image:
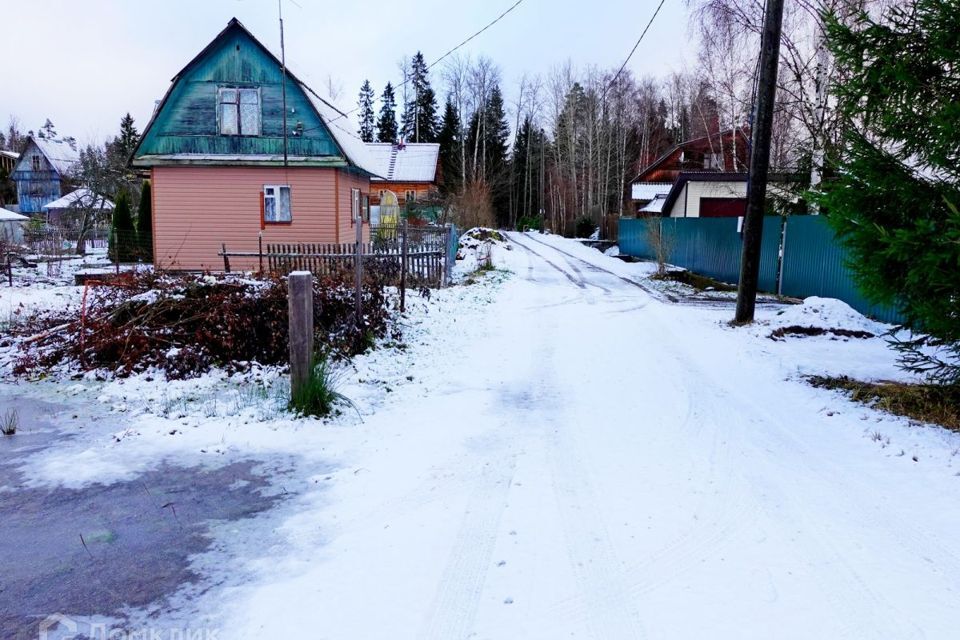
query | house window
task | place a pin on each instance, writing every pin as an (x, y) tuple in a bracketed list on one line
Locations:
[(355, 205), (276, 203), (36, 163), (238, 111), (411, 196), (713, 161)]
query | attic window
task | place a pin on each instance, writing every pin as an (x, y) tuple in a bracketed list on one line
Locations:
[(36, 163), (238, 111)]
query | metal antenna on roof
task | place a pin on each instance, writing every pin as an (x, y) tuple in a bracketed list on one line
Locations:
[(283, 86)]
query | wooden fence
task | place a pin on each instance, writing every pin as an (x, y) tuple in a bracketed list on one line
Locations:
[(418, 255)]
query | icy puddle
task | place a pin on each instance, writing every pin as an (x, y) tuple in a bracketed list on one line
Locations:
[(98, 550)]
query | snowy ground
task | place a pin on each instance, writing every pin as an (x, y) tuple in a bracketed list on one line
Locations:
[(556, 452)]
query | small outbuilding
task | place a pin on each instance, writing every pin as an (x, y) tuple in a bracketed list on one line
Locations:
[(78, 200), (12, 227)]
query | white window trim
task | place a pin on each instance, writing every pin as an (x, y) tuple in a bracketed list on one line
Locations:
[(355, 206), (275, 196)]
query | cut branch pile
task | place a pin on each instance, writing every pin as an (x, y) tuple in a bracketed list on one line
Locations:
[(187, 324)]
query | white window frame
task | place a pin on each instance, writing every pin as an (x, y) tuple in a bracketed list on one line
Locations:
[(411, 196), (273, 200), (355, 208), (238, 111)]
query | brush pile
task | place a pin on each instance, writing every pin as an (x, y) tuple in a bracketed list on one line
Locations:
[(187, 324)]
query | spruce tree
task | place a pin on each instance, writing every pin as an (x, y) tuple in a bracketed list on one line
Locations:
[(496, 131), (387, 122), (419, 121), (450, 142), (123, 237), (366, 112), (145, 224), (129, 137), (896, 199)]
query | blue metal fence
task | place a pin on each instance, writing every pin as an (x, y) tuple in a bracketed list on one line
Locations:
[(709, 246), (814, 261)]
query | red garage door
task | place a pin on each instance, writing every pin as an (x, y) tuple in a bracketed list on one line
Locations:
[(722, 207)]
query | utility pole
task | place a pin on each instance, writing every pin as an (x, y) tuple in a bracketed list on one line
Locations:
[(759, 162), (283, 79)]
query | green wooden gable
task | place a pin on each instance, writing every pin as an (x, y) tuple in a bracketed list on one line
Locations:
[(186, 122)]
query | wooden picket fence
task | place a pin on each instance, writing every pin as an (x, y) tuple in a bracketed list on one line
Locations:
[(426, 253)]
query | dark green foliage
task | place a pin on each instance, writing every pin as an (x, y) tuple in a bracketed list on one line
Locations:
[(8, 188), (529, 148), (387, 122), (584, 227), (145, 224), (419, 121), (123, 237), (365, 103), (450, 147), (319, 396), (895, 200), (492, 162)]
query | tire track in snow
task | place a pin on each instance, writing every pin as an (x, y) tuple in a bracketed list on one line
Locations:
[(454, 609)]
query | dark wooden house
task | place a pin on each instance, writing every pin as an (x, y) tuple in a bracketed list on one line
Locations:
[(721, 152)]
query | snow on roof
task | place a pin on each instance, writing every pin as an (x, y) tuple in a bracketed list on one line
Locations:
[(9, 154), (82, 197), (61, 155), (410, 162), (649, 190), (338, 123), (11, 216), (655, 205)]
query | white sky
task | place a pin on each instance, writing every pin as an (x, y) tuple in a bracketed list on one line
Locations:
[(85, 63)]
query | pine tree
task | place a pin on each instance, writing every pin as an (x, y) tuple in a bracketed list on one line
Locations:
[(366, 112), (419, 121), (387, 122), (48, 131), (449, 139), (123, 237), (896, 199), (145, 224)]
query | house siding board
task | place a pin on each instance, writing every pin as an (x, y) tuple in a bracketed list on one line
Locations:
[(187, 122), (197, 209), (350, 180)]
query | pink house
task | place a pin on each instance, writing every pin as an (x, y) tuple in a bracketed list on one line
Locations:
[(228, 164)]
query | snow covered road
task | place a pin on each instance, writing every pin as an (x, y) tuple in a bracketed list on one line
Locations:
[(587, 461)]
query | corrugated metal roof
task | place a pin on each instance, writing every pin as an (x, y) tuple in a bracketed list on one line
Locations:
[(410, 162), (649, 190), (61, 155), (81, 197)]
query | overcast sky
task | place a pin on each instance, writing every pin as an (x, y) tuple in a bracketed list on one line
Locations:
[(84, 63)]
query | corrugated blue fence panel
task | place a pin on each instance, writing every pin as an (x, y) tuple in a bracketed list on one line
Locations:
[(815, 264), (632, 238), (709, 246)]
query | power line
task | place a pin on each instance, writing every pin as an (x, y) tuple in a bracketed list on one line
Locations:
[(632, 51), (344, 114)]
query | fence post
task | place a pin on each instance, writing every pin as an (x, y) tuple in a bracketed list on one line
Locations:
[(403, 267), (300, 310), (260, 250), (226, 259), (358, 270)]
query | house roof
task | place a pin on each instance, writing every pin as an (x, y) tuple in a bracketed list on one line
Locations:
[(81, 197), (649, 190), (686, 143), (655, 205), (410, 162), (336, 121), (9, 154), (61, 155), (11, 216)]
